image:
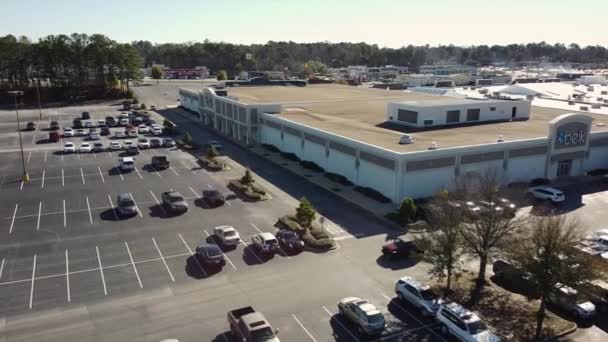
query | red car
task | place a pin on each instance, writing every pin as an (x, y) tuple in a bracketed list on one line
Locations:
[(400, 248)]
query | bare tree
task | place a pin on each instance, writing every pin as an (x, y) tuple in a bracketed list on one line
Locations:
[(443, 245), (548, 254), (491, 227)]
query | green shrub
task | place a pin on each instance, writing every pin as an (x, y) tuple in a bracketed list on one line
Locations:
[(290, 223), (135, 101), (407, 210), (305, 212), (323, 244)]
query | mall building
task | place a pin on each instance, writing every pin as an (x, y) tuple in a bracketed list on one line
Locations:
[(356, 132)]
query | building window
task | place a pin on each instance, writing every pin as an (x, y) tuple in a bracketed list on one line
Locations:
[(452, 116), (428, 122), (492, 109), (473, 114), (407, 116)]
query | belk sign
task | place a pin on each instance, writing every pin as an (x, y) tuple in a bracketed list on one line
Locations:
[(571, 134)]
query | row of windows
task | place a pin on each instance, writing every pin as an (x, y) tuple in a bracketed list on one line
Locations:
[(453, 116)]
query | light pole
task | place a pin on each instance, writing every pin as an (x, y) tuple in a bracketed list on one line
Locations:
[(15, 93)]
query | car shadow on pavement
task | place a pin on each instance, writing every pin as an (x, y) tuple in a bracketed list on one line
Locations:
[(395, 262), (59, 153), (223, 337), (109, 215), (339, 330), (193, 268), (157, 210), (223, 248), (114, 171), (253, 257)]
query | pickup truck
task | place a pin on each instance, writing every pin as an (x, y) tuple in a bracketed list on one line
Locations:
[(160, 162), (248, 325)]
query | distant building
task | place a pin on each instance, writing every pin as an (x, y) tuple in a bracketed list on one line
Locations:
[(198, 72), (420, 80), (446, 69)]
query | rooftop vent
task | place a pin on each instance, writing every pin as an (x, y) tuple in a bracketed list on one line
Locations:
[(406, 139), (600, 124), (433, 146), (501, 138)]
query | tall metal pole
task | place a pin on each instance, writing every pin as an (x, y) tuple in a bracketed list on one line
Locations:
[(26, 177)]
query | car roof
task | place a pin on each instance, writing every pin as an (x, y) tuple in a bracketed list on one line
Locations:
[(368, 308), (210, 246), (225, 228), (415, 283), (123, 196), (173, 194), (548, 188), (267, 236), (127, 159), (69, 143), (460, 311)]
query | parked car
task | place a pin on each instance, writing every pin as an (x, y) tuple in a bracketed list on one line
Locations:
[(115, 146), (132, 133), (157, 131), (94, 136), (98, 147), (85, 147), (69, 147), (213, 197), (142, 129), (111, 121), (127, 143), (400, 247), (54, 136), (132, 150), (86, 116), (174, 202), (77, 123), (463, 324), (81, 132), (265, 242), (126, 164), (68, 132), (54, 126), (30, 126), (125, 206), (160, 162), (211, 255), (124, 122), (226, 235), (368, 319), (419, 295), (248, 325), (101, 123), (120, 135), (155, 143), (290, 240), (143, 143), (169, 142), (570, 301), (509, 275), (547, 193), (105, 131)]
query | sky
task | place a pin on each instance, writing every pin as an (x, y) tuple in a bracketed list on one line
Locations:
[(390, 23)]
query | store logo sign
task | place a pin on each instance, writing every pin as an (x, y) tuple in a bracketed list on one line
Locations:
[(572, 135), (575, 138)]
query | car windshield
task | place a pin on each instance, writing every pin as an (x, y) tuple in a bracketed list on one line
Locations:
[(271, 242), (476, 327), (428, 294), (290, 235), (261, 335), (176, 198), (376, 318), (229, 233), (127, 202), (213, 251)]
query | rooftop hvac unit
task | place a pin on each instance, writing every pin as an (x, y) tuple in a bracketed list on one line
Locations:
[(600, 124), (433, 146), (406, 139), (501, 138)]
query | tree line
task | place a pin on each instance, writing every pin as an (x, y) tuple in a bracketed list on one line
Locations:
[(65, 67), (293, 56)]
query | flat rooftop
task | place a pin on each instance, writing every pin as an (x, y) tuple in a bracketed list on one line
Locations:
[(359, 113)]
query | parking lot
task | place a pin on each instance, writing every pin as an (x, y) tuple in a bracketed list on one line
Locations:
[(71, 269)]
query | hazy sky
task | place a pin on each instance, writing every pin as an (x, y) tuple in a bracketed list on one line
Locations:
[(390, 23)]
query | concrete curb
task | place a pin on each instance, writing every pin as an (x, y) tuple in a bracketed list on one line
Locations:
[(563, 333)]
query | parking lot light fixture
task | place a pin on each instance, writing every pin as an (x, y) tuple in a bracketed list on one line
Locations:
[(16, 93)]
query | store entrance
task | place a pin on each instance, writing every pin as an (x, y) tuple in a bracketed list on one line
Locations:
[(563, 168)]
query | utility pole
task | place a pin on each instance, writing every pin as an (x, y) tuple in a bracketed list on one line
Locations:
[(15, 93)]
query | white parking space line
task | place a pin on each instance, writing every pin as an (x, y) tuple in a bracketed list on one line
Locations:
[(34, 138), (33, 278), (161, 258), (94, 155), (21, 187), (225, 256), (172, 169), (192, 254), (82, 174), (157, 202), (414, 317), (141, 286), (194, 192), (312, 338), (43, 174), (103, 279), (210, 187), (62, 176), (64, 216), (39, 212), (139, 174), (113, 207), (340, 324), (67, 275), (256, 227), (136, 206), (45, 156), (252, 252), (1, 268), (28, 157), (101, 175), (155, 171), (89, 207), (120, 174), (13, 221)]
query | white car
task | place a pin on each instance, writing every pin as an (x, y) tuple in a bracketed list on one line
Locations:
[(463, 324), (69, 147), (142, 129), (227, 235), (81, 132), (120, 134), (419, 295), (94, 136), (157, 131), (265, 242), (68, 132), (126, 144), (569, 300), (547, 193), (85, 147), (127, 164), (143, 143), (368, 319), (115, 146)]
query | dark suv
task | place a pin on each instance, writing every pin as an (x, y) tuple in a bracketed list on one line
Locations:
[(213, 197)]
